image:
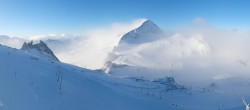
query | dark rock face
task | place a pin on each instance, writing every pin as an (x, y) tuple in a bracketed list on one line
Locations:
[(40, 47)]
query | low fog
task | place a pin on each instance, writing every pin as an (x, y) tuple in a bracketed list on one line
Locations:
[(199, 51)]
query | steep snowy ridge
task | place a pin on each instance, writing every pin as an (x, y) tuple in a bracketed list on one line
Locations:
[(40, 49)]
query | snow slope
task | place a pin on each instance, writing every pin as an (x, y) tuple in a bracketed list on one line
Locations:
[(28, 83), (31, 82), (34, 84)]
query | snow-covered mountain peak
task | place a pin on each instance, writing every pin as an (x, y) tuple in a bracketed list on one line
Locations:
[(147, 32), (39, 49), (149, 26)]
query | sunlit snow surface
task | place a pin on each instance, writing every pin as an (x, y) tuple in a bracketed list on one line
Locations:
[(28, 83)]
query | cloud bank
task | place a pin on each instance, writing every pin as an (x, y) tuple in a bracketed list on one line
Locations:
[(89, 50), (199, 52), (199, 48)]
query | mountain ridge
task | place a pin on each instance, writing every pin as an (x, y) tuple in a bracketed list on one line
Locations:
[(40, 49)]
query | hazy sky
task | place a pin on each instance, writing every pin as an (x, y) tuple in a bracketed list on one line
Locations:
[(38, 17)]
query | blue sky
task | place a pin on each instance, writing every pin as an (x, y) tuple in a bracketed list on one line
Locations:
[(36, 17)]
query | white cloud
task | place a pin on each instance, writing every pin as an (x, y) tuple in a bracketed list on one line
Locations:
[(223, 48), (198, 52), (91, 50), (46, 37), (198, 49), (14, 42)]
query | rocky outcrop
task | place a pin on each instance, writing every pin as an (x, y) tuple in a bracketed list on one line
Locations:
[(40, 49)]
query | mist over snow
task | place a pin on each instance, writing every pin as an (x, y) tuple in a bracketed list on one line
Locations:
[(89, 50), (200, 51), (14, 42), (196, 53)]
